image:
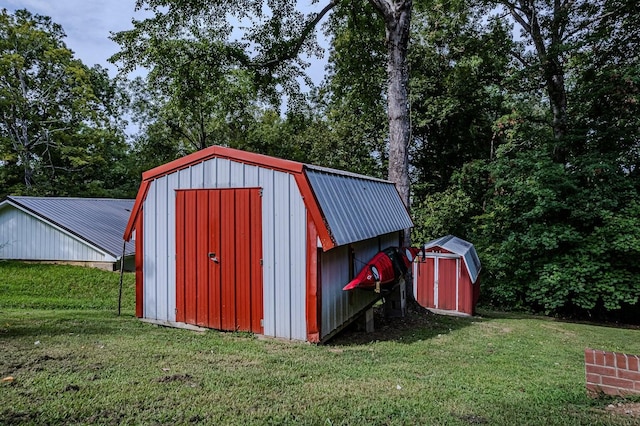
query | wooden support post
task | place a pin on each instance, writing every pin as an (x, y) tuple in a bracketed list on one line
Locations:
[(395, 303), (365, 321), (368, 320)]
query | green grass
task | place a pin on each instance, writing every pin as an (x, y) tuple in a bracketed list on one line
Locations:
[(74, 361), (36, 286)]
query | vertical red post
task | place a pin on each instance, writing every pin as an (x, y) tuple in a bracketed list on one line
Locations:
[(202, 259), (226, 256), (139, 265), (426, 283), (312, 308), (190, 253), (180, 231), (215, 304), (256, 287), (242, 260)]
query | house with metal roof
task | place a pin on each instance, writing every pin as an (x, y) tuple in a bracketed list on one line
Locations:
[(233, 240), (83, 231)]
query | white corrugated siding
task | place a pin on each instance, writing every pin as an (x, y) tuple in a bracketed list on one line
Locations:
[(340, 306), (283, 241), (26, 237)]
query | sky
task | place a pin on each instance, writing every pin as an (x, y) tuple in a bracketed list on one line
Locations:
[(88, 24)]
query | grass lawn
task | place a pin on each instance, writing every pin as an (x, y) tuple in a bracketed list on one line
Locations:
[(74, 361)]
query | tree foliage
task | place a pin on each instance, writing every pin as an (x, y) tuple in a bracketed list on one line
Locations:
[(526, 145), (458, 68), (59, 125), (553, 212), (262, 44)]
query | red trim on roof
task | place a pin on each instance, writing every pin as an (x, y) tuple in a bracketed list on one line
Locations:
[(314, 210), (223, 152), (139, 264), (137, 209), (313, 307), (251, 158)]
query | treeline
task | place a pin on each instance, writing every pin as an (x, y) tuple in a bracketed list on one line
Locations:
[(525, 124)]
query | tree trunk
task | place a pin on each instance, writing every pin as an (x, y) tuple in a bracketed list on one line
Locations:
[(397, 17), (26, 158), (550, 63), (553, 72), (554, 75)]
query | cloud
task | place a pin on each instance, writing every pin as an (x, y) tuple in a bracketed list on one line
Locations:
[(87, 24)]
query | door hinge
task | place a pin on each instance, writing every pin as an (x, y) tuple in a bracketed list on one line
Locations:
[(261, 322), (261, 262), (260, 192)]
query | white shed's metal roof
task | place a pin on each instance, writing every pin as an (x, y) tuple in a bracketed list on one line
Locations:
[(357, 207), (461, 248), (98, 221)]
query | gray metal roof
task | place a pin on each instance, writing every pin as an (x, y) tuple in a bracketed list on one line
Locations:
[(357, 207), (99, 221), (461, 248)]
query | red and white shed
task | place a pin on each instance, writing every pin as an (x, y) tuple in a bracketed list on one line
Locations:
[(445, 276), (234, 240)]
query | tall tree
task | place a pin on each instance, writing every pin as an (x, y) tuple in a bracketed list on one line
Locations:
[(270, 50), (560, 211), (458, 63), (49, 111), (351, 98), (397, 20), (554, 29)]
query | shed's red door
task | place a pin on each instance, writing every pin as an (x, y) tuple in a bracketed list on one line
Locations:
[(218, 258), (447, 283), (425, 290), (437, 281)]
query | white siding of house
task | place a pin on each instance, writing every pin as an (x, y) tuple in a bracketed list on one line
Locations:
[(24, 236), (150, 244), (283, 241), (340, 306)]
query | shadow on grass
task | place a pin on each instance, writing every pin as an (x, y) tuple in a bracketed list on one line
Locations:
[(418, 324), (24, 323)]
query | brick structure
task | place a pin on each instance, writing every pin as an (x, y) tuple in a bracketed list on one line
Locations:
[(611, 373)]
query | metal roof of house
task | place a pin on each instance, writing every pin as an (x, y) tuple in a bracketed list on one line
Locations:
[(357, 207), (98, 221), (461, 248)]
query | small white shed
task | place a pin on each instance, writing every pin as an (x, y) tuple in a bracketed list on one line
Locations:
[(233, 240), (82, 231)]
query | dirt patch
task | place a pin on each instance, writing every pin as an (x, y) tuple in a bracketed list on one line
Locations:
[(174, 378), (472, 419), (494, 328), (16, 418), (629, 409), (234, 362), (386, 328), (71, 388), (187, 379), (107, 417), (560, 330)]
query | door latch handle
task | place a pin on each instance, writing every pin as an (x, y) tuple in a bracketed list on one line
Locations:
[(213, 257)]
